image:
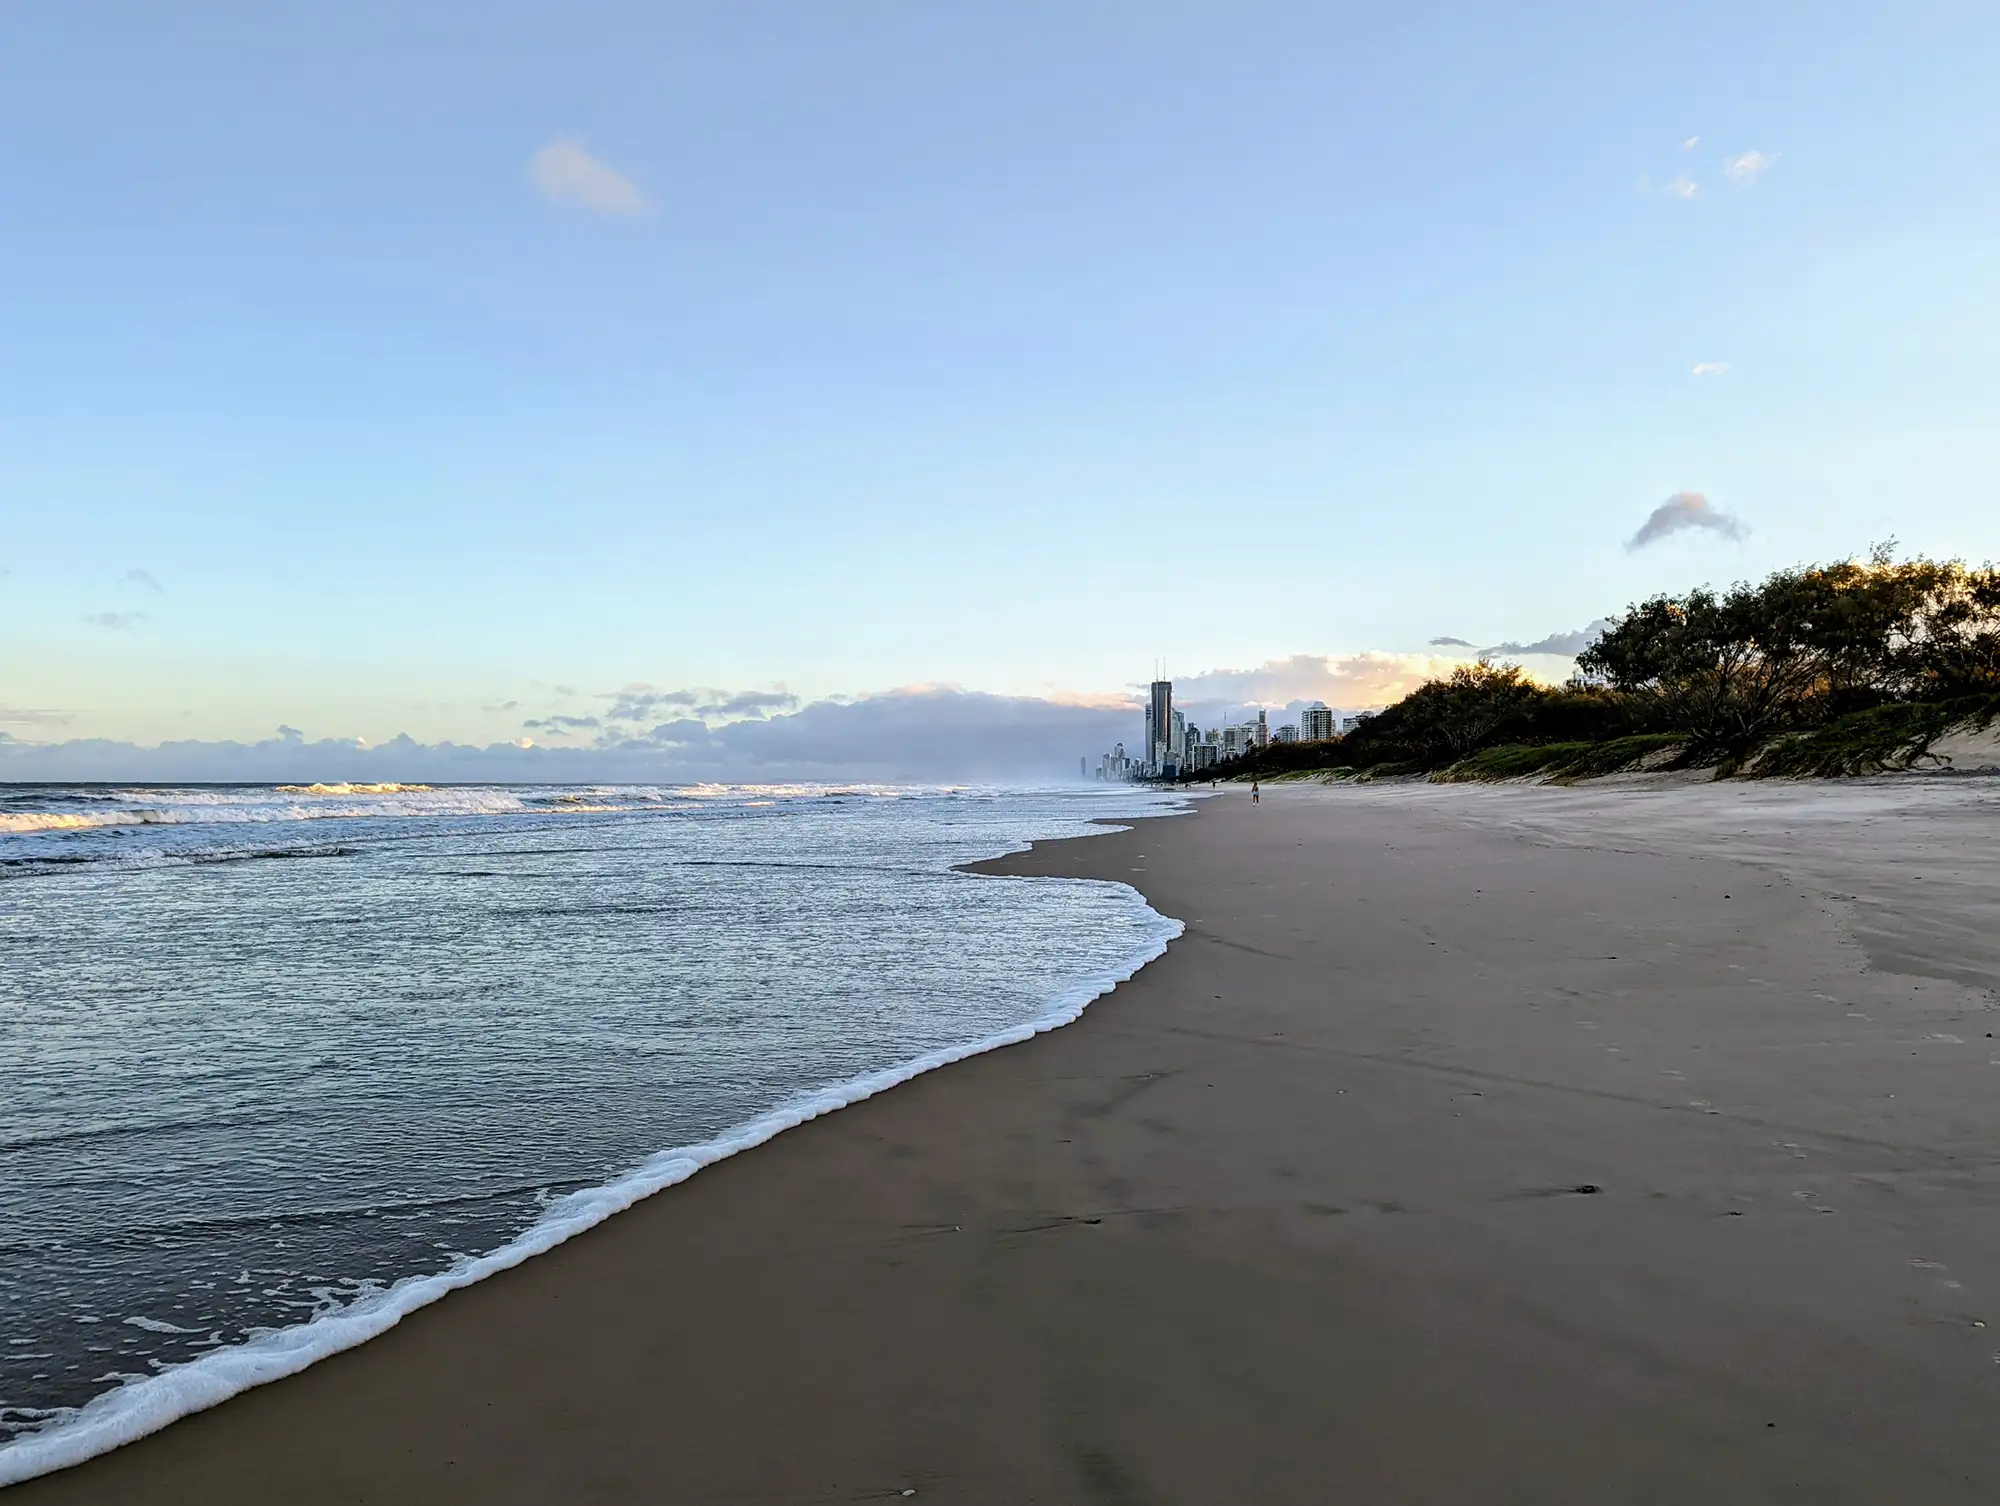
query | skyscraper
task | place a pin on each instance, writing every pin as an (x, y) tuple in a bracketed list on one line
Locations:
[(1160, 725)]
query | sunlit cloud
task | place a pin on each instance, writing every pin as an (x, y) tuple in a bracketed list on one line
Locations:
[(1347, 681), (1681, 186), (1680, 513), (1711, 368), (567, 174), (1691, 143), (1749, 167)]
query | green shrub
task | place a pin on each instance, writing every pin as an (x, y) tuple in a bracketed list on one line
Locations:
[(1871, 741), (1562, 761)]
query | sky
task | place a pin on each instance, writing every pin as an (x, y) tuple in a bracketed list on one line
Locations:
[(468, 374)]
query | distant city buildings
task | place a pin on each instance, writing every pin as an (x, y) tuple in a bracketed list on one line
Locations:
[(1173, 745), (1115, 765)]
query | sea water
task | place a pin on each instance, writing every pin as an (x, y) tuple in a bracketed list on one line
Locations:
[(279, 1064)]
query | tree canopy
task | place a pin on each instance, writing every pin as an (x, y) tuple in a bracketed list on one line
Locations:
[(1725, 671)]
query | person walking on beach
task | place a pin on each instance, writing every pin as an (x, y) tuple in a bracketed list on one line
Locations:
[(1253, 792)]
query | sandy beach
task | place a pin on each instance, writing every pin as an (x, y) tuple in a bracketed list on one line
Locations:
[(1471, 1146)]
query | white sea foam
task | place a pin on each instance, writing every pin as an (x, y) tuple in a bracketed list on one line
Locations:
[(158, 1325), (24, 822), (149, 1403), (286, 803), (345, 801)]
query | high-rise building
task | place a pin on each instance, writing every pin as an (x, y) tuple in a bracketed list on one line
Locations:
[(1349, 723), (1263, 731), (1316, 723), (1160, 725), (1285, 734)]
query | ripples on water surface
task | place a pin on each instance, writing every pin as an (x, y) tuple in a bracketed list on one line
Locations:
[(264, 1050)]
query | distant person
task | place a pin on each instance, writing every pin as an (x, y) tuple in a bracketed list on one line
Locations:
[(1253, 792)]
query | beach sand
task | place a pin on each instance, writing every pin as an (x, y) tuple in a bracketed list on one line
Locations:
[(1459, 1152)]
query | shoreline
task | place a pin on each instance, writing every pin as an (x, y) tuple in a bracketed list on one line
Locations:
[(1433, 1163), (142, 1407)]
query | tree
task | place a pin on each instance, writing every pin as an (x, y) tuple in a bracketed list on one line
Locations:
[(1804, 646)]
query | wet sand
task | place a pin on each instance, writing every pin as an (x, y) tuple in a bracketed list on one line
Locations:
[(1442, 1160)]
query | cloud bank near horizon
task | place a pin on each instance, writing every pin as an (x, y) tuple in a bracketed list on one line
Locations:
[(919, 734)]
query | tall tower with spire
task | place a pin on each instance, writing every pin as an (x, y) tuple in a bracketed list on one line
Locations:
[(1160, 727)]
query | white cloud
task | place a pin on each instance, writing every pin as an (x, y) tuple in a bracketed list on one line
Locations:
[(1691, 143), (1711, 368), (1681, 187), (1679, 513), (1347, 682), (567, 174), (1748, 168)]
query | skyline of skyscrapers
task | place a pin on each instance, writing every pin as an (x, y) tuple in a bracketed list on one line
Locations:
[(1172, 745)]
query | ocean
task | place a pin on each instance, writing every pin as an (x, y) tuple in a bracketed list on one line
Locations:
[(279, 1064)]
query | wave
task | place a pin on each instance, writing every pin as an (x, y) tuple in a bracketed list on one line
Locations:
[(261, 804), (351, 789), (148, 1403), (280, 804), (149, 858), (25, 822)]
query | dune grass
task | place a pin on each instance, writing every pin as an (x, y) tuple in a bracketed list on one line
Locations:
[(1563, 761), (1870, 742)]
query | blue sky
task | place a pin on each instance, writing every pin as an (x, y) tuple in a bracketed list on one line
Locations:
[(444, 368)]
